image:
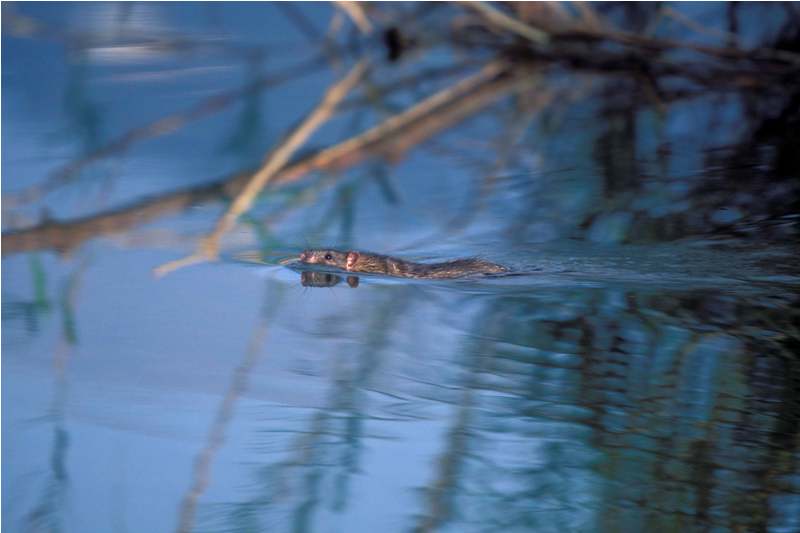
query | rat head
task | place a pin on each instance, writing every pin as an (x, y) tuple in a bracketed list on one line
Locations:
[(334, 258)]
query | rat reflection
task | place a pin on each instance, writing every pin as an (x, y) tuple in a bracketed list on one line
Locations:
[(325, 279)]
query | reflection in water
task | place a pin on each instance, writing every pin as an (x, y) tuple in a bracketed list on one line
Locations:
[(324, 279), (641, 372), (47, 513), (646, 397), (565, 409), (320, 459), (201, 474)]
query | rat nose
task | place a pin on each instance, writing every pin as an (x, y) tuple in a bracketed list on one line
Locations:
[(303, 256)]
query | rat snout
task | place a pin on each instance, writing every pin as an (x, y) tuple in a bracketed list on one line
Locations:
[(303, 256)]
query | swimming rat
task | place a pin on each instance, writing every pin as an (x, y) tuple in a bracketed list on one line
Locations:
[(366, 262)]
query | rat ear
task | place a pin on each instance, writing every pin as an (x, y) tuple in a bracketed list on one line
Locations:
[(352, 257)]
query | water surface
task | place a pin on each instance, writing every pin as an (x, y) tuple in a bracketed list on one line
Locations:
[(640, 371)]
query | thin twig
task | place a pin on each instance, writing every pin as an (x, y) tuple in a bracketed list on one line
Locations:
[(355, 147), (503, 21), (541, 35), (660, 44), (357, 14), (277, 159), (413, 126), (209, 247)]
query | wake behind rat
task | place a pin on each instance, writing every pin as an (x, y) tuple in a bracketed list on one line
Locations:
[(370, 263)]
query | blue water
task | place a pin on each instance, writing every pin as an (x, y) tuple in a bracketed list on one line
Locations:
[(639, 372)]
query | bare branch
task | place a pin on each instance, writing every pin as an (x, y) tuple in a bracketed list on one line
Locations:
[(501, 20), (277, 159), (394, 135), (357, 14)]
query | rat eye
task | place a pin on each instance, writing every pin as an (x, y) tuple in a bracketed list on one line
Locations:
[(328, 257)]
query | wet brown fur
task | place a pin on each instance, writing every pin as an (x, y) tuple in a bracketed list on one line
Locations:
[(353, 261)]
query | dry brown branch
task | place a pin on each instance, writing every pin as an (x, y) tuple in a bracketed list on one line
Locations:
[(422, 121), (649, 44), (502, 21), (394, 135), (645, 45), (377, 94), (732, 69), (357, 14), (66, 236), (157, 128), (277, 159), (552, 16)]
